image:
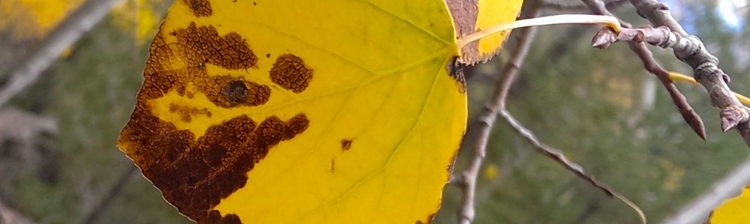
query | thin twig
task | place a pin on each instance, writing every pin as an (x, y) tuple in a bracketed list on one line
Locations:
[(80, 21), (690, 50), (562, 6), (486, 120), (649, 63), (510, 72), (102, 206), (658, 14), (558, 156)]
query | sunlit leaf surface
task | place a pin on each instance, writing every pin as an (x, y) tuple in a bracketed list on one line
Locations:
[(284, 111), (735, 210)]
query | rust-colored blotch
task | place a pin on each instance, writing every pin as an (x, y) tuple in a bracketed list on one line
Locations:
[(291, 73), (186, 113), (346, 144), (230, 52), (428, 220), (195, 173), (200, 8)]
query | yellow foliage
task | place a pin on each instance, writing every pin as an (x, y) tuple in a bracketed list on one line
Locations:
[(288, 111), (733, 211), (494, 12)]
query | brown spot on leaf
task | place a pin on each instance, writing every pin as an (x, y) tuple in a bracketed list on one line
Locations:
[(195, 174), (203, 44), (215, 217), (428, 220), (456, 71), (465, 13), (200, 8), (333, 163), (235, 92), (240, 92), (199, 46), (202, 65), (186, 113), (346, 144), (229, 92), (290, 72)]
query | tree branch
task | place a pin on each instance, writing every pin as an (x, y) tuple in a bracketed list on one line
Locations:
[(498, 106), (26, 71), (559, 157), (560, 6), (650, 64), (690, 50), (658, 14), (486, 121)]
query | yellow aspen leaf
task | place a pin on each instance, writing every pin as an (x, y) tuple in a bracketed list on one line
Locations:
[(735, 210), (292, 111)]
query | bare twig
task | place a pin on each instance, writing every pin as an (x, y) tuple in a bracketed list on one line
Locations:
[(658, 14), (650, 64), (26, 71), (498, 106), (558, 156), (556, 5), (486, 120), (690, 50), (102, 206)]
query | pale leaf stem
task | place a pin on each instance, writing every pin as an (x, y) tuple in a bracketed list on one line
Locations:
[(540, 21)]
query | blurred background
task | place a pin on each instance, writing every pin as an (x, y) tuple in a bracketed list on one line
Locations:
[(58, 125)]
